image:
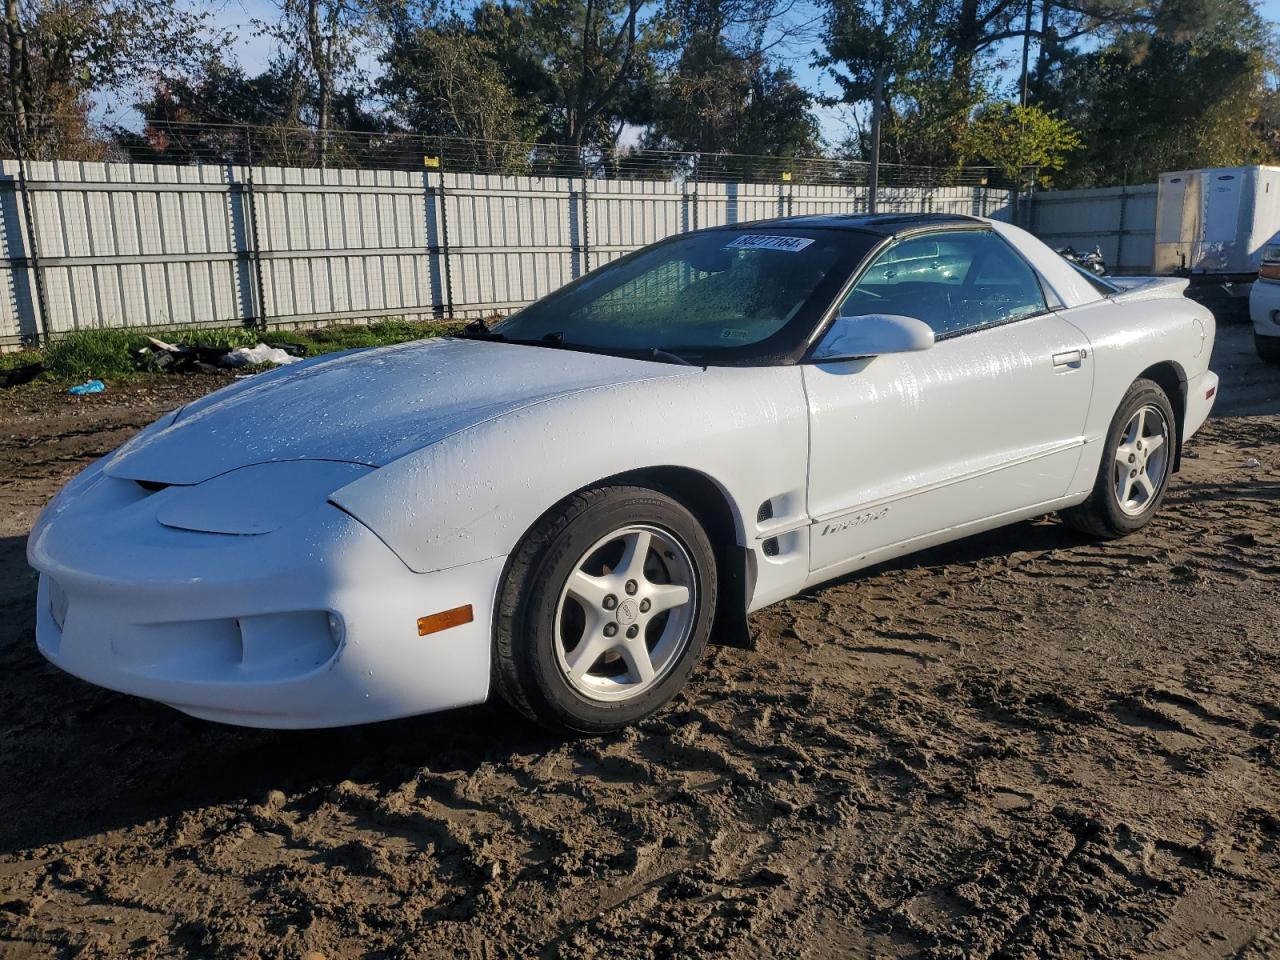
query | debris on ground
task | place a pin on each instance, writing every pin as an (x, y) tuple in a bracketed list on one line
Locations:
[(19, 375), (89, 386), (159, 356), (256, 356)]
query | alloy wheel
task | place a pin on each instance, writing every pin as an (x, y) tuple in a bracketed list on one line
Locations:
[(1141, 460), (626, 613)]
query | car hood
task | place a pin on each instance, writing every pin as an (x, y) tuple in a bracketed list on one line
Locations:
[(366, 406)]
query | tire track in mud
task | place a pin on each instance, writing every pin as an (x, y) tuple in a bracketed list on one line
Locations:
[(1020, 745)]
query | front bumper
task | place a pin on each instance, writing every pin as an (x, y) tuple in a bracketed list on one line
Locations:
[(312, 625), (1264, 305)]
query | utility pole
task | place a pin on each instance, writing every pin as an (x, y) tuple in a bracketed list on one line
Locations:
[(877, 116), (1042, 48), (1026, 49)]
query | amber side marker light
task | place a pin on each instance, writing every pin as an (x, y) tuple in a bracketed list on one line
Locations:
[(444, 620)]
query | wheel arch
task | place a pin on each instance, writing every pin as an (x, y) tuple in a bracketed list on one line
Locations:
[(715, 509), (1172, 379), (725, 524)]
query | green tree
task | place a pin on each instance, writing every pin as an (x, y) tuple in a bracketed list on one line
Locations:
[(723, 91), (58, 53), (219, 114), (1017, 139), (720, 101), (318, 44), (568, 70), (937, 60), (1186, 90), (446, 80)]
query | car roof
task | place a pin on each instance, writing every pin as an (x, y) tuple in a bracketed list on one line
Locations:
[(881, 224)]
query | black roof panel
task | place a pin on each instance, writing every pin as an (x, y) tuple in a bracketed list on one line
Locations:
[(885, 224)]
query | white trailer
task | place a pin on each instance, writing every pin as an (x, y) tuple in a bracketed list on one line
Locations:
[(1211, 224)]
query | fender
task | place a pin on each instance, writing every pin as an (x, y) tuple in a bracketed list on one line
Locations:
[(474, 494)]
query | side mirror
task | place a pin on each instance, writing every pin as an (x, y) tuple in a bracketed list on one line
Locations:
[(871, 335)]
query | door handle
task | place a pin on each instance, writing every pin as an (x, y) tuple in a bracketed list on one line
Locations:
[(1070, 358)]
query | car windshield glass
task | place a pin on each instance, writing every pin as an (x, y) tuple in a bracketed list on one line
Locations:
[(742, 292)]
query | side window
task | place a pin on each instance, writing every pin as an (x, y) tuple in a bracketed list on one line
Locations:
[(955, 281)]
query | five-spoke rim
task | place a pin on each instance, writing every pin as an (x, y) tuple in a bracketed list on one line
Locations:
[(1141, 460), (626, 613)]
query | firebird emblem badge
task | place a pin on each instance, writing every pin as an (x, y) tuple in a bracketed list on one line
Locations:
[(857, 520)]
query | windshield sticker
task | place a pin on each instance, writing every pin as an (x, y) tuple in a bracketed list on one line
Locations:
[(733, 333), (759, 241)]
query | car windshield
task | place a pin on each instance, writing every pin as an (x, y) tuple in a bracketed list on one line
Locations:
[(717, 295)]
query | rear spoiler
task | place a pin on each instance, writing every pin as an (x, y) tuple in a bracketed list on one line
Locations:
[(1148, 288)]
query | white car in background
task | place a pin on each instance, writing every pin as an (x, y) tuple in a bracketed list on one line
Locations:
[(1264, 303), (561, 508)]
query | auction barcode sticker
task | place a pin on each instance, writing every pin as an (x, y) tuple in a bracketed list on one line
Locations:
[(759, 241)]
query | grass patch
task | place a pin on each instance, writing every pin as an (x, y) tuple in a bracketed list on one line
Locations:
[(93, 353), (108, 354), (382, 333), (9, 361)]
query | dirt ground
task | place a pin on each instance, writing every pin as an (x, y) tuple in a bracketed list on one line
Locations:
[(1023, 745)]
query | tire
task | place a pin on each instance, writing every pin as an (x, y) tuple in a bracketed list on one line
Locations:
[(1268, 348), (1105, 514), (574, 581)]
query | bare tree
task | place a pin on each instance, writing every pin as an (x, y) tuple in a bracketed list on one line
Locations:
[(318, 42), (59, 52)]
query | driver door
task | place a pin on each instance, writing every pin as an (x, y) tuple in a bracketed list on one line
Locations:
[(987, 422)]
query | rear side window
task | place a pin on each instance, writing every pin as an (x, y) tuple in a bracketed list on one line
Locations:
[(955, 281), (1104, 287)]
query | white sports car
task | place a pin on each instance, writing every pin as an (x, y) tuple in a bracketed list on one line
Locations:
[(563, 507)]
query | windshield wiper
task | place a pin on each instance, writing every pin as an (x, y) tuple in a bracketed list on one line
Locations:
[(657, 353), (479, 330)]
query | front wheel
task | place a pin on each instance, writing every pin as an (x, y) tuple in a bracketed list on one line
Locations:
[(605, 608), (1137, 461)]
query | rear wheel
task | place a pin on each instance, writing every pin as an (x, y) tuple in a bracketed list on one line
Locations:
[(1137, 461), (605, 609)]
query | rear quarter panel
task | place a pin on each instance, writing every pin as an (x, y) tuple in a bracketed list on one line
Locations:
[(1128, 338)]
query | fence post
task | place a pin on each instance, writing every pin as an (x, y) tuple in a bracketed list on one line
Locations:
[(444, 239), (255, 247), (693, 197), (585, 217), (33, 246), (1124, 196)]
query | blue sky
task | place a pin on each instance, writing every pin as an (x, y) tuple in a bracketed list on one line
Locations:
[(253, 51)]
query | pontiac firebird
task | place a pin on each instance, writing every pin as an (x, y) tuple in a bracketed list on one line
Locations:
[(562, 508)]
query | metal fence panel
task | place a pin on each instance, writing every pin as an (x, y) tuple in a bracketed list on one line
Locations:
[(19, 315), (335, 243), (134, 244), (624, 215), (510, 239), (160, 246), (1119, 220)]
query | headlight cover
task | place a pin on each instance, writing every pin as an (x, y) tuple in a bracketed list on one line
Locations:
[(256, 499)]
